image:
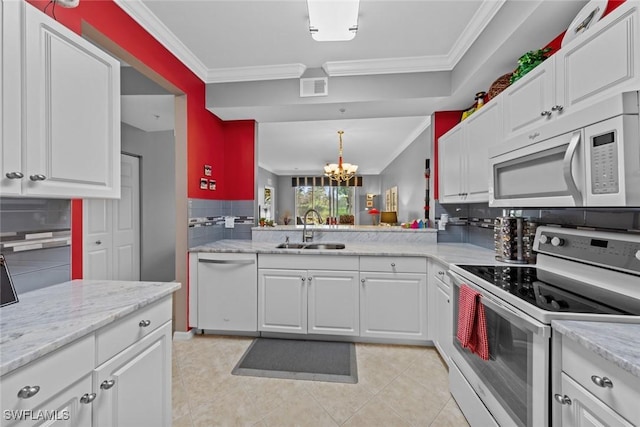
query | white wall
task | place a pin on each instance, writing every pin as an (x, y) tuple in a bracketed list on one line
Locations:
[(157, 204), (407, 173)]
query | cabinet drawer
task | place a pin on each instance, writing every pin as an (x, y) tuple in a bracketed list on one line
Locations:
[(581, 364), (52, 373), (388, 264), (439, 271), (120, 335), (308, 262)]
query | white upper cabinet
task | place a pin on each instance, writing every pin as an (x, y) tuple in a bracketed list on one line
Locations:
[(464, 156), (603, 61), (61, 110)]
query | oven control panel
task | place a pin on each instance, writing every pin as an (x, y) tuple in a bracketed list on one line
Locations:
[(619, 251)]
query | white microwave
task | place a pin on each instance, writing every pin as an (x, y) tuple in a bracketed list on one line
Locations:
[(589, 157)]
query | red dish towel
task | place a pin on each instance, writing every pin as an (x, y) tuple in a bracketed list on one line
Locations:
[(472, 323)]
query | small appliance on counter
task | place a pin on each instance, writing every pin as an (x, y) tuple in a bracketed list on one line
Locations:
[(7, 291), (513, 239)]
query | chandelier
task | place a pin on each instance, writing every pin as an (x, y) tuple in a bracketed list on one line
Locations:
[(341, 171)]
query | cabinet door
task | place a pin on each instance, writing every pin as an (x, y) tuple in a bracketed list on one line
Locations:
[(527, 104), (585, 409), (72, 121), (444, 322), (603, 61), (481, 131), (134, 387), (333, 302), (450, 165), (227, 292), (393, 306), (282, 301)]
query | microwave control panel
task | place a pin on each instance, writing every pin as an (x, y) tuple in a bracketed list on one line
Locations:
[(604, 163)]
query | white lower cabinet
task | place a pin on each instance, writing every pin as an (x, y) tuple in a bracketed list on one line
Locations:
[(72, 387), (223, 291), (440, 309), (591, 391), (134, 387), (320, 299), (308, 301)]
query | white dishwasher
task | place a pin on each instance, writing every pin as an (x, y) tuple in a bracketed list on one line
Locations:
[(223, 291)]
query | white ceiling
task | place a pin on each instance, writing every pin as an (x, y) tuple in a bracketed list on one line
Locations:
[(151, 113), (263, 40)]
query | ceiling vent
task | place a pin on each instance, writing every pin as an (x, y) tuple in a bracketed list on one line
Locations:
[(314, 86)]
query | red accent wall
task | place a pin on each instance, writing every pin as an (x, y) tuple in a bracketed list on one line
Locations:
[(206, 138), (442, 121)]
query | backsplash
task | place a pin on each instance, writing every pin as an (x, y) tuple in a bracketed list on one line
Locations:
[(612, 219), (35, 238), (206, 220)]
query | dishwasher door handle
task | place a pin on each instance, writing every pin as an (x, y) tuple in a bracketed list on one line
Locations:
[(228, 261)]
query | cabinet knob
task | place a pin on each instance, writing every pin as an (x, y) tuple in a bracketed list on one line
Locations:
[(393, 265), (557, 108), (37, 177), (98, 242), (603, 382), (28, 391), (303, 279), (441, 273), (310, 278), (88, 398), (563, 400), (534, 135), (14, 175), (107, 384), (545, 113), (362, 281), (144, 323)]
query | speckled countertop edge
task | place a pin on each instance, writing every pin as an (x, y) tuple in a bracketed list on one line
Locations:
[(49, 318), (619, 343), (457, 253)]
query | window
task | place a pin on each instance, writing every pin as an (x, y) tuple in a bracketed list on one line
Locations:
[(328, 201)]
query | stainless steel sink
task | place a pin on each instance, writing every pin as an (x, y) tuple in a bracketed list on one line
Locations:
[(291, 246), (324, 246)]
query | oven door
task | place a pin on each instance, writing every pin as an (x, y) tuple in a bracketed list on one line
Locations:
[(514, 383), (547, 173)]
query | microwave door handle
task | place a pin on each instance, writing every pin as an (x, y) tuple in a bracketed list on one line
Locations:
[(567, 168)]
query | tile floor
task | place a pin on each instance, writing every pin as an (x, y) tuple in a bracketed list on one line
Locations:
[(397, 386)]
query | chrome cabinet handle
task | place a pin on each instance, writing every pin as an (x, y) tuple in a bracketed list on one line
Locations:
[(534, 135), (362, 281), (37, 177), (603, 382), (310, 278), (557, 108), (393, 265), (144, 323), (14, 175), (545, 113), (441, 273), (303, 279), (28, 391), (107, 384), (88, 398), (227, 261), (98, 242), (563, 400)]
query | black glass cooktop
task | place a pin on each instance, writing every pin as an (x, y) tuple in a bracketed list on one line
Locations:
[(546, 292)]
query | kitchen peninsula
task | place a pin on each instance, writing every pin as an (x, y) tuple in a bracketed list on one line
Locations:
[(85, 341)]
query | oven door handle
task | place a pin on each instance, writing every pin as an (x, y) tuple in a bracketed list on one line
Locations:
[(512, 315)]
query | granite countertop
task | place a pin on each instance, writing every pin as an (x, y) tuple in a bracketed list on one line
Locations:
[(457, 253), (47, 319), (338, 228), (618, 343)]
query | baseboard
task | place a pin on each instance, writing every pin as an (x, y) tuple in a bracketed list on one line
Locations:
[(183, 336)]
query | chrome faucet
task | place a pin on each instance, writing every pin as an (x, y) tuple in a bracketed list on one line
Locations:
[(309, 237)]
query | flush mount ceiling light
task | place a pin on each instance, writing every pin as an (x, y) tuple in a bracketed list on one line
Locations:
[(340, 171), (333, 20)]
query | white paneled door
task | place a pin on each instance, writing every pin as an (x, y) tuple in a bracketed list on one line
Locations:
[(112, 230)]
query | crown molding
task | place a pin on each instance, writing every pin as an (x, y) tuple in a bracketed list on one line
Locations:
[(424, 124), (247, 74), (414, 64), (420, 64), (150, 22), (483, 16)]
